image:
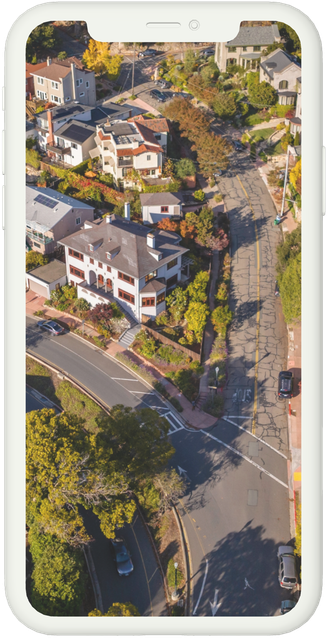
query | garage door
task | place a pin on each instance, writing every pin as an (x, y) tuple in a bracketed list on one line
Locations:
[(38, 288)]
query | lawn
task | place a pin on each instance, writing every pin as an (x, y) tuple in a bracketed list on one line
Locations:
[(277, 150), (261, 134)]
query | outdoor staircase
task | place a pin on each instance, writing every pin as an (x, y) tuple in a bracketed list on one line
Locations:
[(128, 335)]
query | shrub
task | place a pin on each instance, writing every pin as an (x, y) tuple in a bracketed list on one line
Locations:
[(62, 306), (32, 158), (161, 389), (148, 348), (69, 292), (99, 343), (34, 259), (184, 380), (82, 304), (48, 303), (196, 316), (141, 371), (218, 198), (175, 402), (39, 313), (212, 182), (197, 368), (199, 195), (221, 317), (214, 405), (222, 294), (218, 351)]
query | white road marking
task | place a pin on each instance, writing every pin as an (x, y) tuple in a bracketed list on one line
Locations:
[(129, 380), (254, 436), (241, 417), (202, 587), (247, 585), (209, 435), (183, 471), (215, 606)]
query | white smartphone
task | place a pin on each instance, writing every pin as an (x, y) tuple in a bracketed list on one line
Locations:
[(163, 375)]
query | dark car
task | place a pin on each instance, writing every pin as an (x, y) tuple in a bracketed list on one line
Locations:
[(147, 53), (208, 52), (51, 326), (158, 95), (276, 289), (238, 145), (287, 605), (124, 565), (285, 384), (287, 573)]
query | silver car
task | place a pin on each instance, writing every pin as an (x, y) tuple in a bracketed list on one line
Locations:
[(287, 573)]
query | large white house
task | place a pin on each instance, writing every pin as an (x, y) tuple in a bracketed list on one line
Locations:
[(124, 146), (246, 48), (283, 73), (116, 258)]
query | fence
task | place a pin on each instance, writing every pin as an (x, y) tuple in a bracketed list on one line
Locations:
[(159, 336)]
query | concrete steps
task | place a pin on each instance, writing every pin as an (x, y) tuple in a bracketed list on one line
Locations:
[(128, 336)]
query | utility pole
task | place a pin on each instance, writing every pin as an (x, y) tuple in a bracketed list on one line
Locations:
[(133, 76), (285, 184)]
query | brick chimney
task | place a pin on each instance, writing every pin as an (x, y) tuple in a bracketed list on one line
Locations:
[(50, 137), (49, 61), (127, 211)]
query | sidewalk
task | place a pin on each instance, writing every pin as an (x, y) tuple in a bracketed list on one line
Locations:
[(197, 419), (288, 225)]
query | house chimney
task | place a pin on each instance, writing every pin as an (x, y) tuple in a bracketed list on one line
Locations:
[(108, 218), (72, 71), (151, 240), (49, 61), (50, 137), (127, 211)]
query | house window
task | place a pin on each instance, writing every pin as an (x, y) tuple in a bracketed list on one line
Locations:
[(164, 209), (73, 145), (55, 99), (123, 276), (109, 269), (172, 264), (283, 84), (148, 302), (76, 272), (76, 254), (157, 136), (172, 281), (100, 278), (244, 48), (109, 283), (81, 80), (87, 84), (231, 49), (161, 297), (92, 261), (257, 48), (148, 157), (36, 244), (40, 80), (100, 265), (150, 276), (67, 99), (82, 94), (78, 221), (77, 83), (126, 296), (55, 85), (152, 172)]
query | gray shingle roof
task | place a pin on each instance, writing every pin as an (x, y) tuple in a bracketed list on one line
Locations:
[(46, 217), (49, 272), (153, 286), (159, 199), (134, 257), (255, 36), (277, 62), (65, 111)]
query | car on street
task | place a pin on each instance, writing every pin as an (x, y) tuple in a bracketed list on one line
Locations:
[(276, 288), (163, 84), (287, 573), (158, 95), (53, 327), (124, 564), (287, 605), (147, 53), (285, 384), (237, 145)]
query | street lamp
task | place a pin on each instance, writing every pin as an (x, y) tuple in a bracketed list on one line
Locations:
[(175, 594), (217, 371)]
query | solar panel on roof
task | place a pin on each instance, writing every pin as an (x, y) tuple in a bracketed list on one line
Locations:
[(47, 202)]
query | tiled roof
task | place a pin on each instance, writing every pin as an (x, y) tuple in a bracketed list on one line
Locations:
[(150, 199), (143, 148), (134, 257), (31, 68), (158, 125), (68, 61), (146, 133), (255, 36)]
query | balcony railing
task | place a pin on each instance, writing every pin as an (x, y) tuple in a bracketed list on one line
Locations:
[(39, 237), (125, 163)]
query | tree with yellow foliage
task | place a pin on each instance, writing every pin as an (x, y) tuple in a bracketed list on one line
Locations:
[(118, 609), (98, 58), (295, 176)]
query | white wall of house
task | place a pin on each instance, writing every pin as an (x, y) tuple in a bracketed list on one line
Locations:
[(35, 284), (289, 75), (153, 214)]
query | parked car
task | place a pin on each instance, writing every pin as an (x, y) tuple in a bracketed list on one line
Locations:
[(287, 573), (237, 145), (285, 384), (287, 605), (51, 326), (158, 95), (163, 84), (147, 53), (276, 289), (218, 173), (124, 564), (208, 52)]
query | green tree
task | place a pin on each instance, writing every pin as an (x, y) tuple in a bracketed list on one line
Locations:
[(196, 290), (199, 195), (190, 61), (177, 302), (62, 55), (185, 167), (224, 105), (118, 609), (289, 249), (196, 316), (34, 259), (290, 290), (98, 58), (205, 226), (262, 95), (221, 317), (212, 153), (297, 139), (41, 41), (292, 40), (58, 578), (32, 157), (286, 140)]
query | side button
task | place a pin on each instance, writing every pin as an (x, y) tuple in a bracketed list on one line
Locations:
[(3, 207), (3, 153), (324, 182)]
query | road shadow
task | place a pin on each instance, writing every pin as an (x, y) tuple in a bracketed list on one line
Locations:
[(242, 227), (244, 311)]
